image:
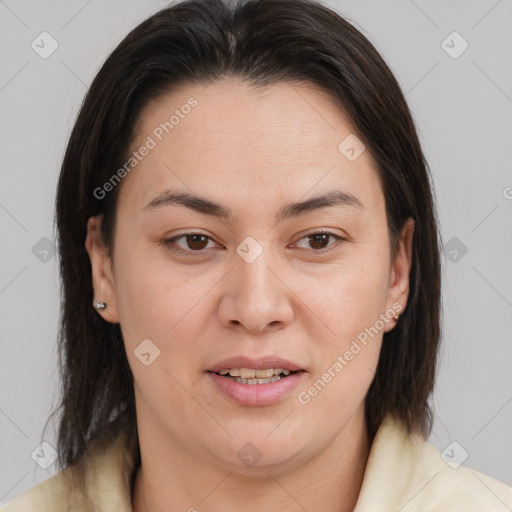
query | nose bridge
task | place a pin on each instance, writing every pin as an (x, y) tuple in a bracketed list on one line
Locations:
[(257, 297), (252, 275)]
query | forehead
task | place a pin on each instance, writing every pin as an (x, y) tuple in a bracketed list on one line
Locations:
[(231, 140)]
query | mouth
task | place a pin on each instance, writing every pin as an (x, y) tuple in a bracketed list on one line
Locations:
[(256, 382), (253, 376)]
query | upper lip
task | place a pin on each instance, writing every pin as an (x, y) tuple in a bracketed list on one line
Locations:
[(262, 363)]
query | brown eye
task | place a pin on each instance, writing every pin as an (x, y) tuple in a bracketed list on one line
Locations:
[(319, 241), (193, 243), (196, 242)]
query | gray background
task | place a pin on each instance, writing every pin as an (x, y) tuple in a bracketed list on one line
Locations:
[(463, 111)]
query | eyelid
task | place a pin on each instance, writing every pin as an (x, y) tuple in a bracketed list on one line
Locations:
[(167, 242)]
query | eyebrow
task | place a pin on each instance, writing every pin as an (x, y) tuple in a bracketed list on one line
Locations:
[(208, 207)]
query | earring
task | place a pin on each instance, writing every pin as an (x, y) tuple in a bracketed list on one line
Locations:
[(100, 306), (397, 316)]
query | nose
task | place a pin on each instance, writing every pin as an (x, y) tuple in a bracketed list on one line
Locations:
[(256, 296)]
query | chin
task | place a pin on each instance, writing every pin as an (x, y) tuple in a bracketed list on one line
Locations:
[(255, 453)]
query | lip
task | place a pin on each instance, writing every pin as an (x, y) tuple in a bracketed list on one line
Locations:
[(262, 363), (256, 394)]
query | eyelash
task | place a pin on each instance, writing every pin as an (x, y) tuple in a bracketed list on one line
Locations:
[(168, 243)]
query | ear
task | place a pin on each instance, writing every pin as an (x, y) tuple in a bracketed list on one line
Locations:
[(398, 291), (102, 271)]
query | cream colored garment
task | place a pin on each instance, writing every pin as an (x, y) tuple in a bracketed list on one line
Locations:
[(404, 473)]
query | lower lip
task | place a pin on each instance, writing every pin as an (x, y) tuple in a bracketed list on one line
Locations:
[(257, 394)]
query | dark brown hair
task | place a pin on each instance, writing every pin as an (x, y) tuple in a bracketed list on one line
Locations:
[(260, 42)]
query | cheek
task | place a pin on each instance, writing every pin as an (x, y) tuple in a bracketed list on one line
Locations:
[(349, 297), (347, 354), (156, 302), (346, 329), (338, 390)]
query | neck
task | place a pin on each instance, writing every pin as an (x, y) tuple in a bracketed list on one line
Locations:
[(172, 478)]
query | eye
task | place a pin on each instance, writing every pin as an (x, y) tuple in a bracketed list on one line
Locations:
[(198, 242), (319, 240), (194, 242)]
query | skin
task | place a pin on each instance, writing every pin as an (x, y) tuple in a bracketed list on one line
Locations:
[(253, 152)]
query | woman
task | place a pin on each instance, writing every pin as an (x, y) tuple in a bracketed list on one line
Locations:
[(250, 264)]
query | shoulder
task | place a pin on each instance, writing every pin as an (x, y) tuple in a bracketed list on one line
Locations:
[(409, 474), (108, 472), (55, 490)]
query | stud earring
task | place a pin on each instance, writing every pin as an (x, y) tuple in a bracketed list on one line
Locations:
[(100, 306), (397, 316)]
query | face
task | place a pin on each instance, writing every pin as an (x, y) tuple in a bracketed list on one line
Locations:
[(233, 273)]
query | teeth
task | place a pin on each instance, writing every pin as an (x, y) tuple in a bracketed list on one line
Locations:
[(257, 381), (263, 374), (251, 373), (246, 373), (263, 381)]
